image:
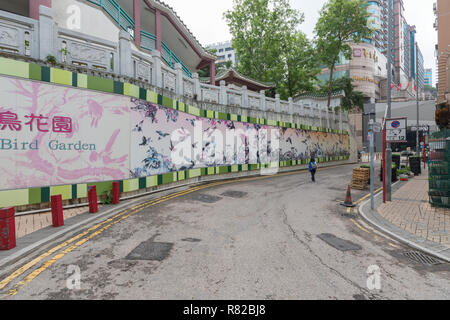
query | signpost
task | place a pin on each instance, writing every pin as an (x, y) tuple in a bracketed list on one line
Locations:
[(394, 131)]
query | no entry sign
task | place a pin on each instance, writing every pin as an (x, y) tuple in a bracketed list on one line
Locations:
[(396, 130)]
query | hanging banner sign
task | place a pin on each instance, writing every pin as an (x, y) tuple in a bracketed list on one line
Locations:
[(396, 130)]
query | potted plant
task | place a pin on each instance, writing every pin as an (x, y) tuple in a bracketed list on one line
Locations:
[(51, 59)]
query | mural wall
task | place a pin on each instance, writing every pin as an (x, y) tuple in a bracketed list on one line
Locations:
[(58, 135)]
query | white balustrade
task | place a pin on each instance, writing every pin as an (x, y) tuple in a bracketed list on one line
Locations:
[(23, 36)]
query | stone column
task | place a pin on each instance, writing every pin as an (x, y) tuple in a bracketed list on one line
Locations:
[(179, 79), (245, 103), (262, 100), (277, 103), (196, 86), (157, 75), (291, 106), (223, 93), (125, 60), (46, 33)]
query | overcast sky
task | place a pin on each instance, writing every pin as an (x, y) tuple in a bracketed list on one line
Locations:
[(205, 19)]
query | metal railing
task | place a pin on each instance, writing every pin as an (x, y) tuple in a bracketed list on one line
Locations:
[(170, 58), (117, 13), (148, 40)]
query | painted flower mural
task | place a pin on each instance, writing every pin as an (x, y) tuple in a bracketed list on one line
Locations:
[(57, 135), (37, 156)]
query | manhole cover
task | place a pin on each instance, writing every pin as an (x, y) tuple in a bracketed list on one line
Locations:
[(234, 194), (149, 250), (205, 198), (422, 258), (338, 243)]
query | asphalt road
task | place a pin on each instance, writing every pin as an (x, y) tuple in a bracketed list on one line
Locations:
[(258, 241)]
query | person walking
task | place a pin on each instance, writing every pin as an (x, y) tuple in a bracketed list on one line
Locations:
[(313, 169)]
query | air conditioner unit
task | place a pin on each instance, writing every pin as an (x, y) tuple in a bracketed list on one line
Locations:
[(435, 7), (435, 24)]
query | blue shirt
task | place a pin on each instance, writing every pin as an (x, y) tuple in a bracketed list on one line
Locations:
[(310, 165)]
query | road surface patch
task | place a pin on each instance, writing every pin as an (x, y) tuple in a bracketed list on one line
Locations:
[(150, 250), (205, 198), (234, 194), (338, 243)]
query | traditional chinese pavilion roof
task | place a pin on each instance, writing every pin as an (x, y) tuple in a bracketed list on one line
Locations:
[(168, 9), (231, 76), (319, 96)]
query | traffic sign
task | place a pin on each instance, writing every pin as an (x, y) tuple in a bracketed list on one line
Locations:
[(396, 130)]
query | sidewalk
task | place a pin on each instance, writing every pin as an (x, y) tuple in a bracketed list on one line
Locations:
[(411, 211), (410, 218)]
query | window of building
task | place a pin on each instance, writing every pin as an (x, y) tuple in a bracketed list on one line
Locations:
[(229, 49)]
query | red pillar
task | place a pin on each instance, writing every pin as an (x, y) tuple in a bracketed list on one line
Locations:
[(158, 30), (137, 21), (92, 197), (57, 211), (7, 229), (116, 192), (212, 72), (34, 7)]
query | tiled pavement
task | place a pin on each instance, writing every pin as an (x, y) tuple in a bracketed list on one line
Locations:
[(411, 211)]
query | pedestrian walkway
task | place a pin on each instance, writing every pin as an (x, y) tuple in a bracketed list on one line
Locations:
[(411, 219), (411, 211)]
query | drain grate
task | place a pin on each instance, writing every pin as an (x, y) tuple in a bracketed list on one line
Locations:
[(422, 258)]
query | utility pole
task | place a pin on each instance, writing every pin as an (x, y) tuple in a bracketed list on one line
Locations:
[(372, 163), (388, 152), (417, 98)]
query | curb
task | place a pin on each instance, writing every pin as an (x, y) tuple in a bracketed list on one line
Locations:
[(19, 254), (70, 229), (399, 234)]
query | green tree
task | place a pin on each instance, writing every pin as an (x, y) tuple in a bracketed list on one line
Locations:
[(260, 30), (300, 66), (340, 22), (352, 100)]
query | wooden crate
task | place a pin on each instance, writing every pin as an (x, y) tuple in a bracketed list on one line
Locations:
[(360, 179)]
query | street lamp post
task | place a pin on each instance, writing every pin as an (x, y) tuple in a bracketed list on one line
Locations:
[(387, 165), (417, 98), (372, 163)]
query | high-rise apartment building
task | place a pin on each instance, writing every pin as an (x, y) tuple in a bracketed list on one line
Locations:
[(442, 25), (225, 52), (428, 77), (370, 78)]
